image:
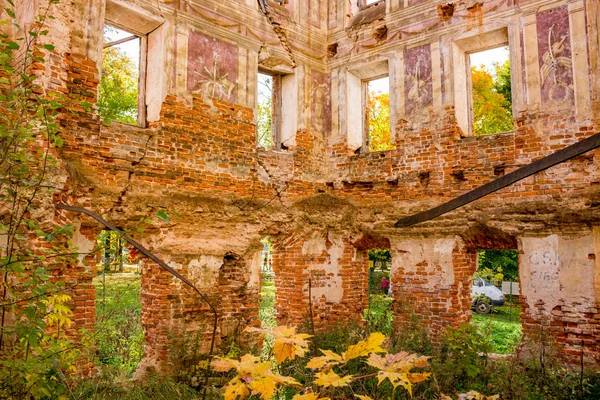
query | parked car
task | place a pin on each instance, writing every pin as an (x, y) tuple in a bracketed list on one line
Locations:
[(485, 295)]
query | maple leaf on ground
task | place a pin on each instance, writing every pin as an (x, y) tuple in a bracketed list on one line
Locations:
[(365, 347), (326, 361), (235, 389), (224, 364), (330, 378), (254, 377), (473, 395), (361, 397), (288, 344), (396, 368), (308, 396)]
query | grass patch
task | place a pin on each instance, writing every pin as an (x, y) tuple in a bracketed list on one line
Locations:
[(502, 326), (119, 335), (379, 315)]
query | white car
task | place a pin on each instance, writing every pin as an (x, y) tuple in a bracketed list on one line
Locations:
[(493, 296)]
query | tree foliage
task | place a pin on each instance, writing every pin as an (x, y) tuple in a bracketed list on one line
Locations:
[(118, 89), (505, 262), (378, 122), (35, 351), (264, 118), (492, 106)]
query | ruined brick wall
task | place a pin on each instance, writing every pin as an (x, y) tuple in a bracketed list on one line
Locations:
[(320, 273), (198, 157)]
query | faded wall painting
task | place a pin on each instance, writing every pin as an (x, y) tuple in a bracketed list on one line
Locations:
[(320, 102), (314, 13), (212, 67), (332, 14), (554, 50), (417, 78)]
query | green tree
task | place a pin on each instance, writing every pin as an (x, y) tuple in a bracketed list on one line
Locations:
[(118, 89), (505, 262), (264, 118), (35, 352), (502, 83), (492, 109), (378, 122)]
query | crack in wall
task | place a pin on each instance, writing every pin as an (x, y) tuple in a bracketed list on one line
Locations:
[(132, 173)]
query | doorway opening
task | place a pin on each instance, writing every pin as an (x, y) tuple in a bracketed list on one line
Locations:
[(379, 311), (119, 336), (495, 292), (267, 313)]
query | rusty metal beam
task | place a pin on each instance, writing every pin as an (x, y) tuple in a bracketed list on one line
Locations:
[(574, 150)]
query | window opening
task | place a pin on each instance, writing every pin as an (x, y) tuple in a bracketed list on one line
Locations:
[(379, 312), (491, 95), (120, 97), (377, 110), (119, 334), (364, 3), (266, 111), (495, 293)]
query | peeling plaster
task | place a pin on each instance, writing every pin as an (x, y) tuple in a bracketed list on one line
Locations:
[(553, 269)]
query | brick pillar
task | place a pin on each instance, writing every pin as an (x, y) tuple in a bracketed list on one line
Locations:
[(431, 278), (338, 275), (176, 319)]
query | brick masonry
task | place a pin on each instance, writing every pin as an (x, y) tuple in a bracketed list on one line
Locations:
[(198, 157)]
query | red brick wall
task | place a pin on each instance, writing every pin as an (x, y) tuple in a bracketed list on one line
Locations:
[(338, 273)]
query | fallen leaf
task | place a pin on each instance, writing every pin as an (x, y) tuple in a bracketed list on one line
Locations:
[(365, 347), (330, 378)]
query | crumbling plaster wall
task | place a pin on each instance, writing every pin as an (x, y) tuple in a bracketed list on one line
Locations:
[(198, 156)]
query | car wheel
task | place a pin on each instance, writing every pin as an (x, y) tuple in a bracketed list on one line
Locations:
[(482, 307)]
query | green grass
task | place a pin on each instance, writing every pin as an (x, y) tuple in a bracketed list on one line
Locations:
[(119, 335), (502, 326), (379, 315)]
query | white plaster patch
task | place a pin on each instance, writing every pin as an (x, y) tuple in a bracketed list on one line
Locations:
[(314, 246), (83, 244), (255, 270), (204, 271), (332, 291), (432, 255), (553, 268)]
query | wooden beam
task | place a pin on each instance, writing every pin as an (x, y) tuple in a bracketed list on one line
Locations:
[(542, 164), (116, 42)]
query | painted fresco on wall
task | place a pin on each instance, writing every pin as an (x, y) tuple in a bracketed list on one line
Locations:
[(417, 78), (554, 51), (212, 67), (290, 6), (332, 14), (320, 101), (314, 13)]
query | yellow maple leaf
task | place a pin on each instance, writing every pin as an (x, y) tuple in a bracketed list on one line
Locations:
[(254, 377), (307, 396), (264, 386), (361, 397), (396, 368), (224, 364), (328, 360), (288, 344), (473, 395), (236, 389), (330, 378), (365, 347)]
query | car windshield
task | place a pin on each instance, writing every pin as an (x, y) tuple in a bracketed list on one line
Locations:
[(486, 283)]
